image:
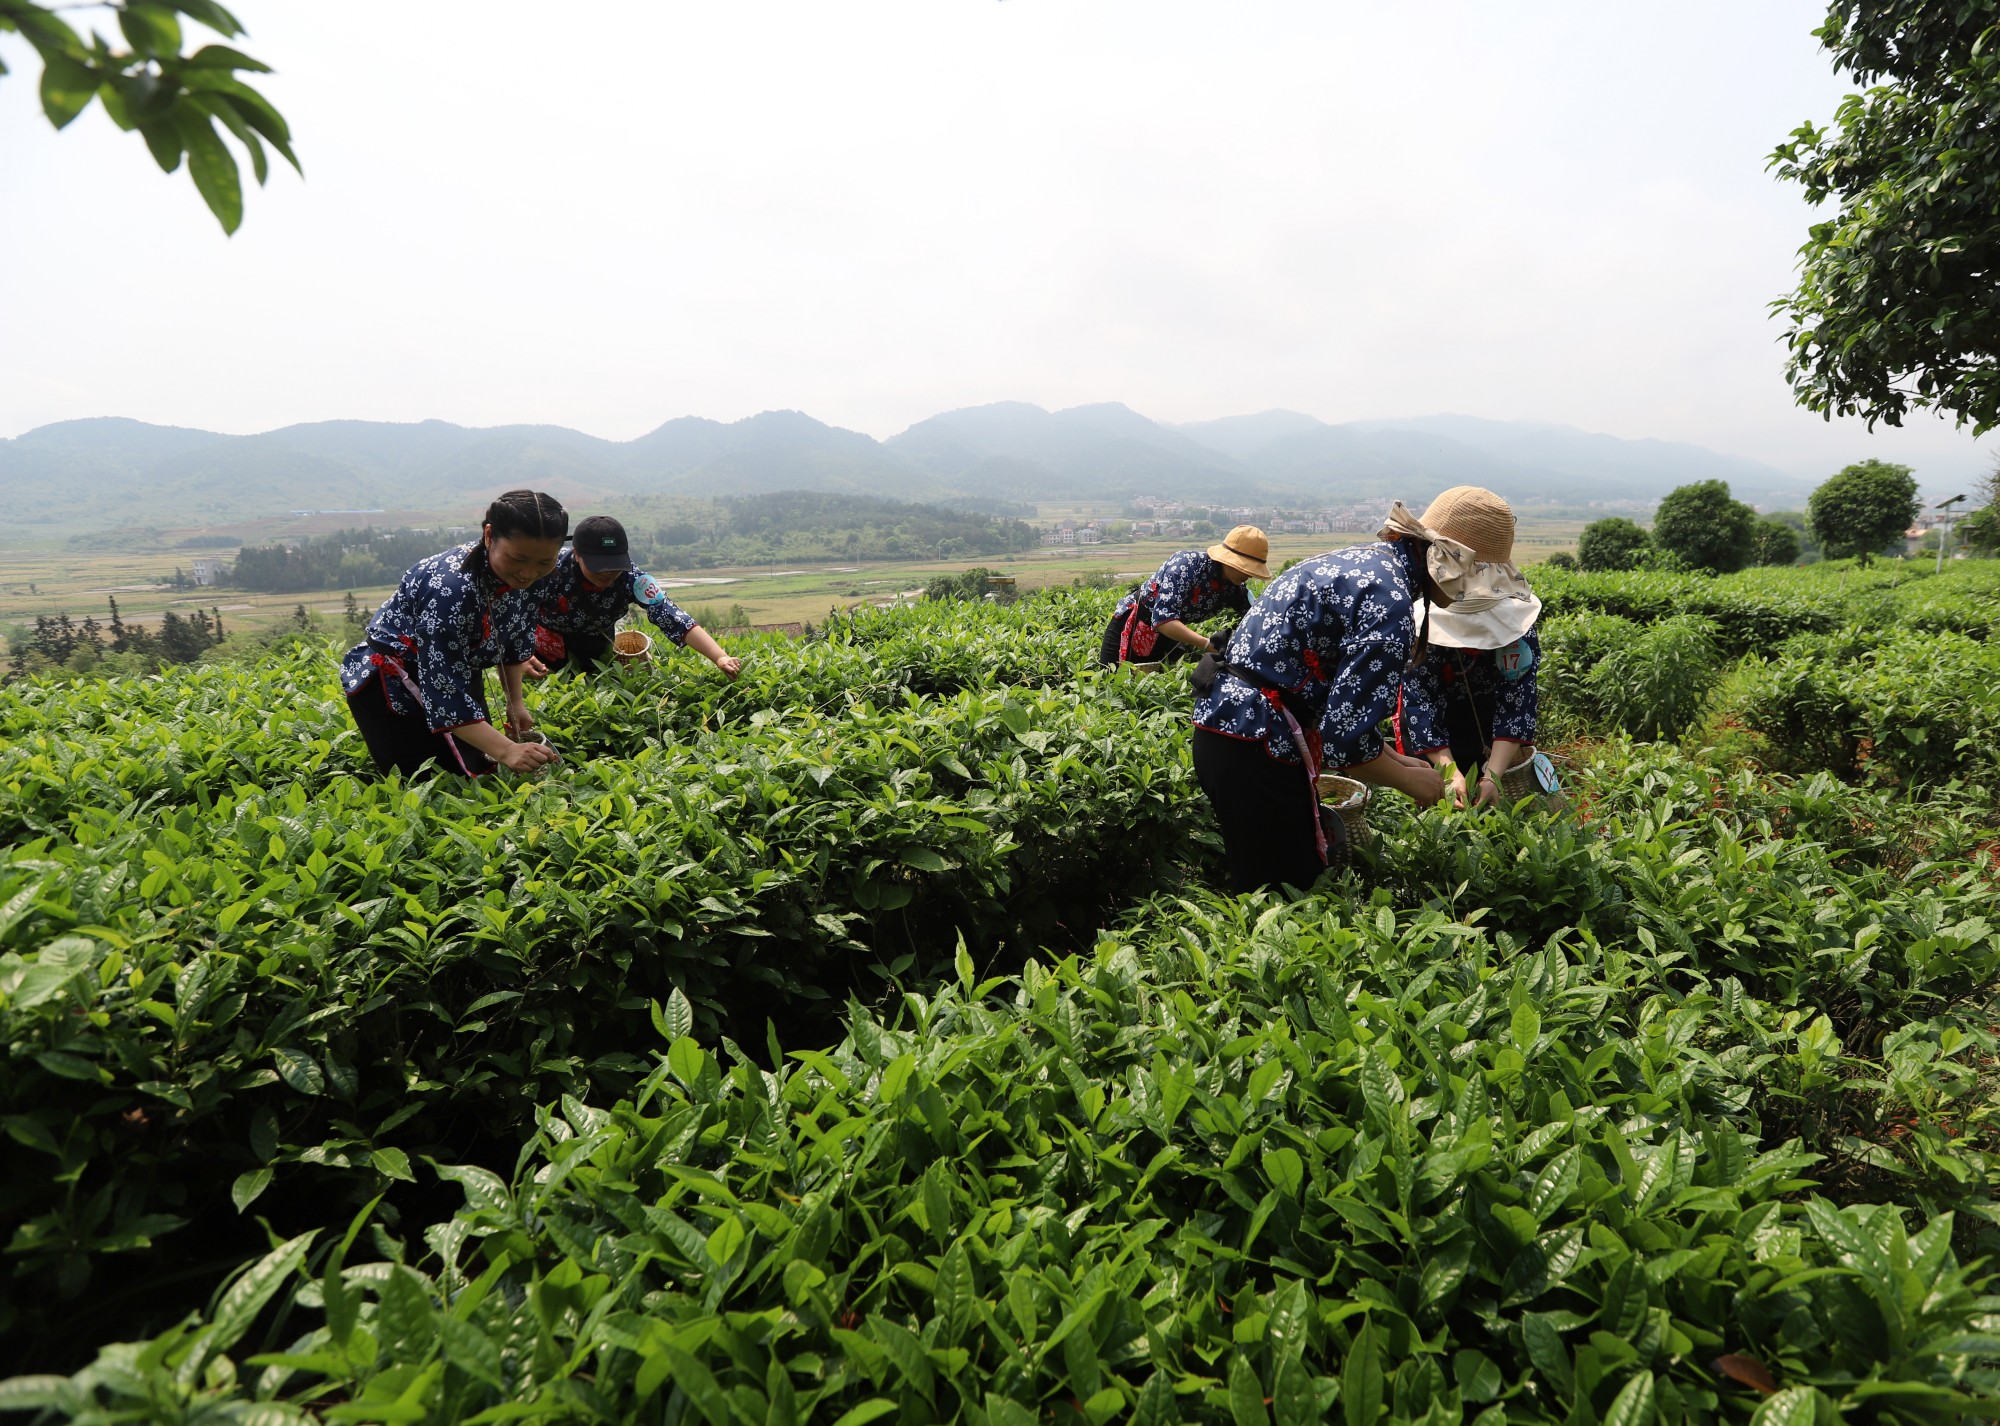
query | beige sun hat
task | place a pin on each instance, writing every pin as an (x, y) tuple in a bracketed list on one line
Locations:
[(1476, 518), (1500, 607), (1244, 548)]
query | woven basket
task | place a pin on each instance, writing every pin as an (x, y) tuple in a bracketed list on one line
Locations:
[(1154, 666), (1350, 799), (1519, 782), (632, 646)]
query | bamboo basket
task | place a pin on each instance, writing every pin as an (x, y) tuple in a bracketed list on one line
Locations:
[(1520, 782), (1350, 799), (632, 646)]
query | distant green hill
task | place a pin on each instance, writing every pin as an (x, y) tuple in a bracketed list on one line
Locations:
[(111, 474)]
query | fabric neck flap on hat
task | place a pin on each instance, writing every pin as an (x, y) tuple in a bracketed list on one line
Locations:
[(1452, 567)]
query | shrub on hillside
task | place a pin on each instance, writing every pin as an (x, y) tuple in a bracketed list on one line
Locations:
[(1611, 544), (1706, 527)]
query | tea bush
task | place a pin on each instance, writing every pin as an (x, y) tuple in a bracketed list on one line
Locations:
[(1526, 1118), (1916, 709), (1243, 1161)]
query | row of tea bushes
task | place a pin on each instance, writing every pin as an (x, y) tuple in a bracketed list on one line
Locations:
[(190, 735), (1912, 709), (1243, 1163), (196, 994), (1759, 609), (1870, 923)]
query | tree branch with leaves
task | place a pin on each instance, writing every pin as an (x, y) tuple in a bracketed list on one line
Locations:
[(172, 99)]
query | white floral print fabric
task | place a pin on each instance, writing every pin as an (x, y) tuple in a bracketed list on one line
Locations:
[(434, 638), (1337, 631), (570, 605)]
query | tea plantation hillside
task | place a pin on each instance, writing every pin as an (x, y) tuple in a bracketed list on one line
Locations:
[(859, 1041)]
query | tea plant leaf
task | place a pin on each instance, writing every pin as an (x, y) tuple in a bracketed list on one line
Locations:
[(300, 1071), (1361, 1380), (1246, 1394), (248, 1187), (1633, 1406), (679, 1017), (248, 1294)]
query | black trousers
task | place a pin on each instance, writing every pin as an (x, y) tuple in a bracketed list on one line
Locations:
[(407, 744), (1267, 811), (582, 653)]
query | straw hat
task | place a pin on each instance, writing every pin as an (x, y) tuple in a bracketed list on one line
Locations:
[(1244, 548), (1476, 517), (1481, 520)]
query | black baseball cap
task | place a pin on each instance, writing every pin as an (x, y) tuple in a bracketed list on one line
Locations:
[(599, 542)]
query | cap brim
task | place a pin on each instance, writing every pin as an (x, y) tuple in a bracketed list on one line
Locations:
[(1493, 628), (601, 563), (1222, 554)]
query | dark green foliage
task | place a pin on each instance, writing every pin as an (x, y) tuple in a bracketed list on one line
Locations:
[(348, 559), (1340, 1159), (1706, 528), (1562, 559), (1864, 509), (1613, 543), (1893, 311), (1776, 542), (807, 526)]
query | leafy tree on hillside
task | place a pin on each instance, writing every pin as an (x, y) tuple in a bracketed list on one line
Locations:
[(1894, 310), (1775, 542), (1979, 532), (1612, 543), (173, 99), (1562, 559), (1707, 527), (1864, 509)]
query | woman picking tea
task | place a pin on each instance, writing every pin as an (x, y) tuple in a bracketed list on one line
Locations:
[(1469, 701), (415, 684), (1307, 678), (1191, 586), (594, 583)]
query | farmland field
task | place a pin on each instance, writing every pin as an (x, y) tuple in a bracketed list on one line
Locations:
[(51, 581), (860, 1041)]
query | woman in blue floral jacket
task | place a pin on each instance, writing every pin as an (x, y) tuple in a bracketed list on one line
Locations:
[(595, 582), (1308, 677), (416, 682), (1191, 586)]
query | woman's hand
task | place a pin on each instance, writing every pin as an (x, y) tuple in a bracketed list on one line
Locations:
[(1456, 788), (729, 664), (535, 668), (1421, 783), (519, 719), (1489, 791), (527, 757)]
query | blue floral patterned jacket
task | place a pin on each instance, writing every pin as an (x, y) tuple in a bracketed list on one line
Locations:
[(1337, 630), (1441, 672), (1190, 587), (435, 637), (569, 605)]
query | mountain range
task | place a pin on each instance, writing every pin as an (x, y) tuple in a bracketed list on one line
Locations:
[(111, 472)]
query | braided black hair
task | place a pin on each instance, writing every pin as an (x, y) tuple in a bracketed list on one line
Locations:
[(519, 512)]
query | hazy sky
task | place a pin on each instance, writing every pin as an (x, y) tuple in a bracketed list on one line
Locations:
[(873, 210)]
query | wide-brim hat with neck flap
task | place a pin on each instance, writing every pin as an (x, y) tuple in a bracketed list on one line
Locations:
[(1484, 523), (1244, 548)]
